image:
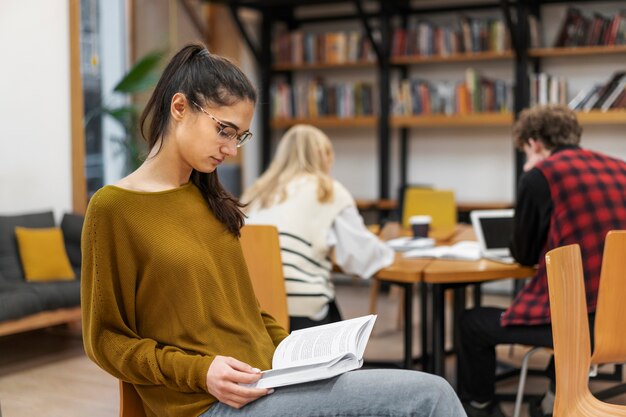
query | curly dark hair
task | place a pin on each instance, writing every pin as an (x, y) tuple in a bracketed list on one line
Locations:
[(553, 125)]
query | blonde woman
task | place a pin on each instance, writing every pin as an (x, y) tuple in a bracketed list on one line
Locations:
[(314, 215)]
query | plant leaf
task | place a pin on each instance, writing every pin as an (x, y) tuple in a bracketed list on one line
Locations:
[(142, 75), (125, 115)]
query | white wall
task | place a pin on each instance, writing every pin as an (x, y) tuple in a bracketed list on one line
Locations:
[(35, 143)]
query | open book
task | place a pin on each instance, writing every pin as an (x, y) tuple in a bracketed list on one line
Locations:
[(318, 353), (464, 250), (403, 244)]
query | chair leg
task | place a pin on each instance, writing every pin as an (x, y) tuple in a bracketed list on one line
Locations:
[(400, 317), (374, 290), (522, 381)]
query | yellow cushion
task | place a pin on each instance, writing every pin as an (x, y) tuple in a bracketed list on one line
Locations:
[(43, 254)]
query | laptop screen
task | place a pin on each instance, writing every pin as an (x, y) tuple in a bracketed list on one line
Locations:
[(497, 231)]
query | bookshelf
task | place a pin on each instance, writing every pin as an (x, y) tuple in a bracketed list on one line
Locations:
[(576, 51), (323, 66), (455, 120), (432, 120), (461, 57), (595, 117), (326, 122), (592, 35), (384, 17)]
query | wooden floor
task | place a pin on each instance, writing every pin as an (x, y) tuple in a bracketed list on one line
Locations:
[(46, 373)]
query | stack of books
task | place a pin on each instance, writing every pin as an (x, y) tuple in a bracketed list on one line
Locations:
[(608, 96), (476, 94), (470, 35), (547, 89), (298, 48), (580, 30), (315, 98)]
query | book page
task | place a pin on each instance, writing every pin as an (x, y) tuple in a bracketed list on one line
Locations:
[(464, 250), (281, 377), (322, 343)]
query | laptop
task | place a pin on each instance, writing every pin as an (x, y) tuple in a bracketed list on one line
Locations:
[(493, 229)]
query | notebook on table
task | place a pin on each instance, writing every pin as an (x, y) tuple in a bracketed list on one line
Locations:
[(493, 229)]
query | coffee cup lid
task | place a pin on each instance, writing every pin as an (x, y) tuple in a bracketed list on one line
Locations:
[(422, 218)]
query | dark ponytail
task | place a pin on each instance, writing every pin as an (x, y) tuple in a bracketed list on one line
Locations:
[(206, 79)]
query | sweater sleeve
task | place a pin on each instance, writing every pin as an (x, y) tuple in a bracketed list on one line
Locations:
[(108, 305), (532, 218), (276, 331), (357, 250)]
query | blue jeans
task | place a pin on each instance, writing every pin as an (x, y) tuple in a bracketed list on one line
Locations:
[(363, 393)]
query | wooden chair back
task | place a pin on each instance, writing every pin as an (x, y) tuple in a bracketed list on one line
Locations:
[(439, 204), (131, 404), (570, 332), (261, 249), (610, 322)]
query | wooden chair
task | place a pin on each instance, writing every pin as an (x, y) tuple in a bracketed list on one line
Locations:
[(572, 345), (610, 322), (609, 346), (261, 249), (439, 204), (130, 402)]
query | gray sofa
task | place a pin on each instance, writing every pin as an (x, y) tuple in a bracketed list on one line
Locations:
[(28, 305)]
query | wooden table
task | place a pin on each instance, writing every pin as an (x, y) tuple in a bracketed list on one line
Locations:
[(439, 275), (406, 273)]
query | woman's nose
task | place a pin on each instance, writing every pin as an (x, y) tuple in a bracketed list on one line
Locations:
[(229, 148)]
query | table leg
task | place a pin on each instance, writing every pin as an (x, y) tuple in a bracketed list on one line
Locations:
[(408, 326), (438, 330), (458, 308), (426, 363), (477, 295)]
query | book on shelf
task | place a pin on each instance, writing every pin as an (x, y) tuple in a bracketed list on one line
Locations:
[(615, 99), (319, 352), (534, 31), (424, 38), (298, 47), (547, 89), (614, 83), (603, 97), (583, 96), (475, 94), (315, 97), (596, 30)]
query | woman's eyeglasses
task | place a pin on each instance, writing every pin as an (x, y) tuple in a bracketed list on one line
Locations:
[(226, 131)]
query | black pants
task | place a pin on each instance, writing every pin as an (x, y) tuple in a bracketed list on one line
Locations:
[(334, 315), (480, 333)]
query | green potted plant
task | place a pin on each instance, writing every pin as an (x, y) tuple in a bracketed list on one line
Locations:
[(141, 77)]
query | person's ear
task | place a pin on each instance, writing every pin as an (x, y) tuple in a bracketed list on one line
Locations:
[(178, 106), (535, 145)]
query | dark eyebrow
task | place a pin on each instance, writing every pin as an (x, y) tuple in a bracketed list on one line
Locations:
[(231, 124)]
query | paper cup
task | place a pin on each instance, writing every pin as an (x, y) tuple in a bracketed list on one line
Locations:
[(420, 225)]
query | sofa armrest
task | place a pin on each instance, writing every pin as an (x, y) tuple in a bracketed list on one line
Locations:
[(72, 226)]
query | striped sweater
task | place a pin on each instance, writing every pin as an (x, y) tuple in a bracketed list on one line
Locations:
[(304, 223)]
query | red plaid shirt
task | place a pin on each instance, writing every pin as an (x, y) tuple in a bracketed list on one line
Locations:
[(588, 192)]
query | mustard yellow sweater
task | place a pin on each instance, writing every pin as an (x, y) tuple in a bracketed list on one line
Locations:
[(164, 290)]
